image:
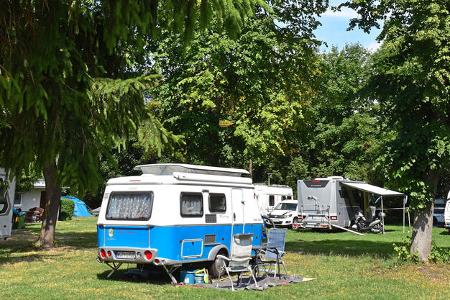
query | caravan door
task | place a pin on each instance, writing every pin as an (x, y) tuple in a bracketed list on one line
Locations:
[(7, 189), (238, 210)]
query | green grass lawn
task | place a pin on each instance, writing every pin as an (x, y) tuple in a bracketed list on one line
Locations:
[(345, 266)]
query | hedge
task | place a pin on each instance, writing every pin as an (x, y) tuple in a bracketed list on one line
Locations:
[(67, 208)]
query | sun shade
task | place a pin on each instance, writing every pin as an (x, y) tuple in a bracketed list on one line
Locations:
[(371, 189)]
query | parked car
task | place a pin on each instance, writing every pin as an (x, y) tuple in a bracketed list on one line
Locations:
[(438, 213), (447, 213), (285, 213)]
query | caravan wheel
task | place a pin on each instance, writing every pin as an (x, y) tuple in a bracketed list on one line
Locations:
[(216, 269)]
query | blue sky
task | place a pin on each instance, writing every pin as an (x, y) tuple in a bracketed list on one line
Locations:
[(334, 30)]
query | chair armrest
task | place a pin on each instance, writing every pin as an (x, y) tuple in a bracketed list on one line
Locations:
[(241, 259), (223, 257), (275, 250)]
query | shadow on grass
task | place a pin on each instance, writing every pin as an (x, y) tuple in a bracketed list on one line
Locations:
[(21, 245), (132, 275), (26, 257), (445, 232), (78, 240), (343, 247)]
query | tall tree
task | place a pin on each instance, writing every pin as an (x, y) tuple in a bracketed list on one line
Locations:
[(240, 100), (69, 87), (412, 82), (341, 132)]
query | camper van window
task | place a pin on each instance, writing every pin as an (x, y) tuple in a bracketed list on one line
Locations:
[(191, 205), (130, 206), (217, 203), (271, 200)]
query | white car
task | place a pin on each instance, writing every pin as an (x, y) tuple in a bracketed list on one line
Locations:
[(447, 215), (285, 213)]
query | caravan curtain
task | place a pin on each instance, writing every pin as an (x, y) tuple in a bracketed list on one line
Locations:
[(130, 206)]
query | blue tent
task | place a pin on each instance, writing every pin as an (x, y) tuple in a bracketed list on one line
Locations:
[(81, 209)]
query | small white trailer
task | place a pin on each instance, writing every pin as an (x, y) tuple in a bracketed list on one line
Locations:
[(7, 189), (176, 214), (268, 196)]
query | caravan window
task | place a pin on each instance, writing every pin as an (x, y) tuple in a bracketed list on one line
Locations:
[(130, 206), (217, 203), (271, 200), (191, 205)]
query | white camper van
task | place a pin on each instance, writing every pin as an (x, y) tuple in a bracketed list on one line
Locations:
[(268, 196), (7, 188), (335, 201), (176, 214), (447, 213)]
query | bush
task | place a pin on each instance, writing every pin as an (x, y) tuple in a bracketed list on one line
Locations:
[(67, 208), (437, 255)]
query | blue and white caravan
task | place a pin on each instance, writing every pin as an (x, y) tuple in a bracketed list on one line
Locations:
[(176, 214), (7, 189)]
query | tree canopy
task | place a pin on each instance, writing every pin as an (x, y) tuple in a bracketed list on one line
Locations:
[(70, 86), (411, 80)]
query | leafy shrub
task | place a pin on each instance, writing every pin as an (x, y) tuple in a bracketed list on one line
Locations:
[(439, 255), (67, 208), (403, 253)]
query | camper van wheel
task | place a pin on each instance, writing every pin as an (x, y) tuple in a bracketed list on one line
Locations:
[(216, 269)]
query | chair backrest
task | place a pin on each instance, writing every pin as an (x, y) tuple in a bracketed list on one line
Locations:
[(276, 239), (241, 247)]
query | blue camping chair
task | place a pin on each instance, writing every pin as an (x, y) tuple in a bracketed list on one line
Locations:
[(273, 253)]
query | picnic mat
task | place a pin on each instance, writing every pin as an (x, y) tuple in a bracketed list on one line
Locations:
[(247, 283)]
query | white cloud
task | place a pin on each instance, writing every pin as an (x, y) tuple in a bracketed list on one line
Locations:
[(372, 47), (343, 13)]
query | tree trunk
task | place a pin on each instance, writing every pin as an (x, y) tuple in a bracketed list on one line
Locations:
[(53, 195), (423, 226), (422, 233)]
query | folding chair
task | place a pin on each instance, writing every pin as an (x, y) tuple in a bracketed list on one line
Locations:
[(274, 250), (240, 257)]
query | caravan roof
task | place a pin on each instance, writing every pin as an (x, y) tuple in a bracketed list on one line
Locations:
[(170, 169), (185, 174)]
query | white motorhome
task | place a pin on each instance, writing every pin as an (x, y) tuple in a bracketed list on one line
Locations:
[(176, 214), (447, 213), (268, 196), (334, 201), (7, 189)]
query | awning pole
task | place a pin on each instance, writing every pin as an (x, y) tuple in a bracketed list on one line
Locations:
[(382, 213), (404, 204)]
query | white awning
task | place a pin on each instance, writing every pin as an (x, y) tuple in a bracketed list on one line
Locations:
[(371, 189)]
